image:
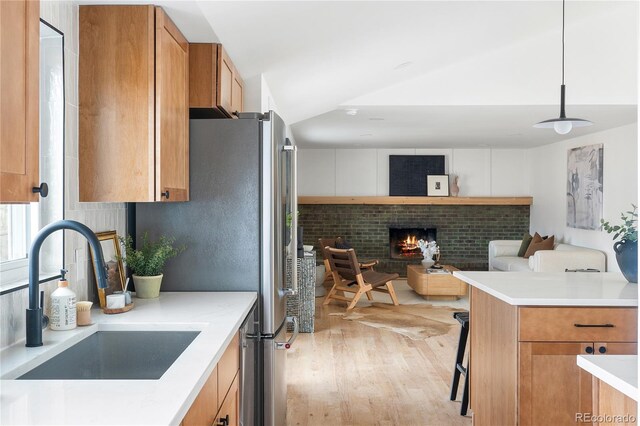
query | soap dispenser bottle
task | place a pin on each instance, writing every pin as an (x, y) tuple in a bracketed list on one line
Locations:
[(63, 306)]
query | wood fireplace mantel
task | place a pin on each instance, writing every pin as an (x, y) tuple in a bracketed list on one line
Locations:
[(460, 201)]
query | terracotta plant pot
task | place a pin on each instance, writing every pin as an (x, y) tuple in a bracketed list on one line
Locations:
[(147, 287), (627, 257)]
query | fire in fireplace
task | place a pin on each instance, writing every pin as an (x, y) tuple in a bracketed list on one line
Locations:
[(403, 242)]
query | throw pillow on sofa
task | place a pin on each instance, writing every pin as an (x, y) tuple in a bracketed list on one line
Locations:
[(526, 240), (539, 243)]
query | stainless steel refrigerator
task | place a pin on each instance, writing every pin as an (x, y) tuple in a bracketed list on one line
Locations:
[(239, 229)]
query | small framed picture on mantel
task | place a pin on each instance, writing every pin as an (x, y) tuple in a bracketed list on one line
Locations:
[(438, 185)]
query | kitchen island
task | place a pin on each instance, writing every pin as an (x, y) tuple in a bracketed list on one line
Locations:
[(615, 387), (526, 329), (217, 316)]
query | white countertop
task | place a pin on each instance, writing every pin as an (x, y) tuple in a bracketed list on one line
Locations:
[(618, 371), (555, 288), (218, 316)]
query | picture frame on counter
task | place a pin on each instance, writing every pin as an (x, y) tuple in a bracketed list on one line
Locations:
[(438, 186), (110, 245)]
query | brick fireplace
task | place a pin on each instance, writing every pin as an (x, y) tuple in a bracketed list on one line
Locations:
[(463, 231)]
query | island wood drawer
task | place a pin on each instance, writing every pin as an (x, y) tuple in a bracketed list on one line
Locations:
[(584, 324), (228, 366)]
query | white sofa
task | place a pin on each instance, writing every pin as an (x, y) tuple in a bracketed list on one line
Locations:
[(503, 256)]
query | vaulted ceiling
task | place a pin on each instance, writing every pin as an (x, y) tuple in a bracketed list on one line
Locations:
[(429, 73)]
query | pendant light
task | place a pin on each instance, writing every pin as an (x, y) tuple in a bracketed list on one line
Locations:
[(562, 125)]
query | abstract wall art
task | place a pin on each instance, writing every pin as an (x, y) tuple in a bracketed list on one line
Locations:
[(584, 187)]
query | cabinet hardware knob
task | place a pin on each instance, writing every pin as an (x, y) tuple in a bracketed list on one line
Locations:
[(43, 190), (165, 194), (224, 421), (602, 349), (589, 349)]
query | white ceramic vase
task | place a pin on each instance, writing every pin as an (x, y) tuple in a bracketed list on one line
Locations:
[(455, 187), (427, 263), (147, 287)]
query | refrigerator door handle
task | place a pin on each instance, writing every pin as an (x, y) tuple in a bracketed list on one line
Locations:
[(288, 343), (293, 191)]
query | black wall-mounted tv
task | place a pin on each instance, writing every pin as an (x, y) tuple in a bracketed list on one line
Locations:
[(408, 173)]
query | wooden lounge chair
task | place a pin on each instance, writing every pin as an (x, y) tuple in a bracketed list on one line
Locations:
[(332, 242), (348, 277)]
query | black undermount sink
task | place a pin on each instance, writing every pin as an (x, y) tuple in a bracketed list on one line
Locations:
[(116, 355)]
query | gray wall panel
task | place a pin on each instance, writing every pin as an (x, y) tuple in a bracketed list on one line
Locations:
[(220, 225)]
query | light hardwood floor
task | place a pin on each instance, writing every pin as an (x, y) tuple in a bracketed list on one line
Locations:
[(347, 373)]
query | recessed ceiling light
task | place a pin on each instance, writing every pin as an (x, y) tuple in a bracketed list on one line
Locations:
[(351, 111), (403, 65), (376, 119)]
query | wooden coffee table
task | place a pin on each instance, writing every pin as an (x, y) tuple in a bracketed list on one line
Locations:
[(436, 286)]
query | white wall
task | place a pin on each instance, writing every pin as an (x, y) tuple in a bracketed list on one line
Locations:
[(548, 176), (352, 172)]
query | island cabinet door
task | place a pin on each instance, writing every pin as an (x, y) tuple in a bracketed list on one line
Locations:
[(552, 388)]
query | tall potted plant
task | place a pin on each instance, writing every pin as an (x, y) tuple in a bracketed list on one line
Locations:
[(626, 247), (147, 263)]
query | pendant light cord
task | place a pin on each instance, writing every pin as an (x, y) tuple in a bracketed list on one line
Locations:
[(563, 41)]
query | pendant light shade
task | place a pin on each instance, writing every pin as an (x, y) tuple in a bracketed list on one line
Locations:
[(562, 125)]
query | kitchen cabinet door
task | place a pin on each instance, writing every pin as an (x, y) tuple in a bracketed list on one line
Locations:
[(230, 87), (225, 81), (134, 105), (204, 409), (229, 413), (116, 92), (237, 90), (19, 92), (216, 89), (172, 111), (552, 388)]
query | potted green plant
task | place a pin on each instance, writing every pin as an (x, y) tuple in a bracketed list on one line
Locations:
[(626, 247), (147, 263)]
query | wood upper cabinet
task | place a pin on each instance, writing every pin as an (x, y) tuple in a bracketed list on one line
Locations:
[(134, 114), (19, 92), (215, 86), (172, 109)]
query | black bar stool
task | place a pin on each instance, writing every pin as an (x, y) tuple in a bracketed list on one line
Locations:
[(463, 319)]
